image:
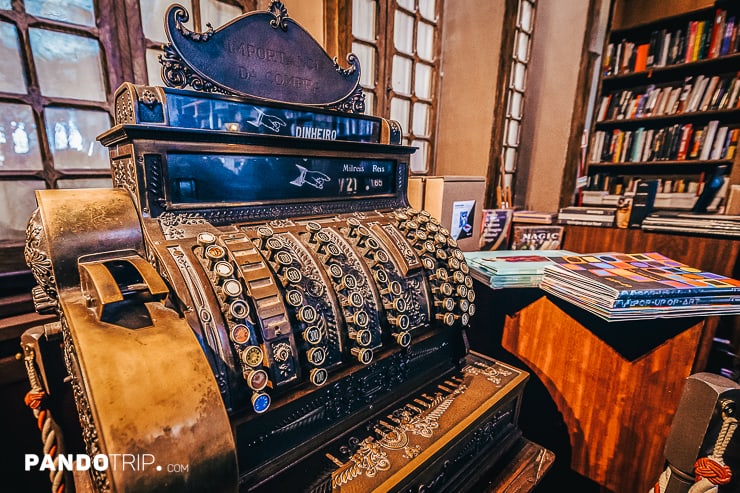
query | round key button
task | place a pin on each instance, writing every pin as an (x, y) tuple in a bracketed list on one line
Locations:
[(223, 269), (265, 232), (293, 275), (256, 379), (363, 355), (307, 314), (283, 258), (363, 337), (240, 334), (260, 402), (231, 288), (335, 271), (318, 376), (312, 335), (403, 339), (252, 356), (316, 356), (239, 309)]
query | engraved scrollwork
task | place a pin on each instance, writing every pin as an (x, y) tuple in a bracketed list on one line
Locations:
[(281, 13), (124, 175), (494, 375), (124, 108), (36, 253), (84, 411), (170, 223), (354, 103), (176, 73), (181, 17), (149, 98)]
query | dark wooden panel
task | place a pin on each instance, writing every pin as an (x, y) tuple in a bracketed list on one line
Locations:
[(617, 410)]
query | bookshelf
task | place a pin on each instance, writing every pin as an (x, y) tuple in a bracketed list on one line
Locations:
[(668, 108)]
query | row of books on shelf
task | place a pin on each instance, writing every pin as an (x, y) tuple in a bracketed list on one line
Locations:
[(627, 184), (695, 93), (613, 286), (673, 143), (697, 40), (687, 222)]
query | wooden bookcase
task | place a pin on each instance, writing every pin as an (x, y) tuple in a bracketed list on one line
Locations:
[(661, 92)]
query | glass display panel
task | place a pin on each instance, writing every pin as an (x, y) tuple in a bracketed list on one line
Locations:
[(522, 46), (363, 19), (19, 144), (369, 102), (425, 41), (426, 8), (11, 73), (403, 33), (225, 178), (73, 11), (153, 67), (421, 119), (420, 158), (526, 12), (366, 54), (402, 74), (72, 138), (17, 203), (217, 13), (515, 104), (153, 11), (68, 66), (519, 76), (400, 109), (212, 114), (407, 4), (423, 81)]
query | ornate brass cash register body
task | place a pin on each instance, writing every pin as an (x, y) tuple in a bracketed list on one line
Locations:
[(254, 301)]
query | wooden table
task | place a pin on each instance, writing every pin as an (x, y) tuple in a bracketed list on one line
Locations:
[(609, 388)]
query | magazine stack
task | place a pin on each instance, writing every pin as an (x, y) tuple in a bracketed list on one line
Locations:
[(619, 286), (511, 268)]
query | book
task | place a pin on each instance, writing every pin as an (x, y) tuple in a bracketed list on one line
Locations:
[(706, 147), (719, 143), (535, 217), (643, 202), (621, 286), (536, 237), (727, 37), (716, 33), (691, 41), (495, 229), (641, 57)]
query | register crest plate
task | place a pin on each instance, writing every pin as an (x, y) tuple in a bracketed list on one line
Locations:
[(255, 56)]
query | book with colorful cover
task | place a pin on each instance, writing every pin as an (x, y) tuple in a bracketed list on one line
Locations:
[(536, 237), (620, 276)]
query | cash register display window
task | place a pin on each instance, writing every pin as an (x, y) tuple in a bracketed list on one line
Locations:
[(207, 178), (217, 114)]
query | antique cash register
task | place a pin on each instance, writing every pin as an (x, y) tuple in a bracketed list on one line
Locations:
[(254, 306)]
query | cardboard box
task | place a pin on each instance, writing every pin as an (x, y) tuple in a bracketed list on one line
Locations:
[(415, 191), (457, 201)]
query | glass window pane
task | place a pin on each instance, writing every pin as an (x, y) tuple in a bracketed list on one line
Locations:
[(515, 104), (68, 66), (5, 5), (402, 75), (11, 73), (400, 112), (420, 158), (403, 33), (512, 138), (217, 13), (17, 203), (526, 15), (72, 134), (369, 102), (85, 183), (421, 119), (423, 81), (407, 4), (366, 54), (510, 160), (19, 144), (522, 46), (152, 18), (426, 8), (153, 67), (425, 41), (363, 19), (518, 75), (73, 11)]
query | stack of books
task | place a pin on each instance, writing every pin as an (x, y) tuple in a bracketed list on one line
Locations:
[(687, 222), (510, 268), (587, 216), (535, 217), (619, 286)]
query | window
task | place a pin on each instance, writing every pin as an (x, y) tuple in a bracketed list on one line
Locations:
[(57, 73), (397, 42), (201, 12)]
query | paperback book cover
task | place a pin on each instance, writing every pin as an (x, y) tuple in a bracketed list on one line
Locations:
[(495, 229), (536, 237), (511, 268)]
